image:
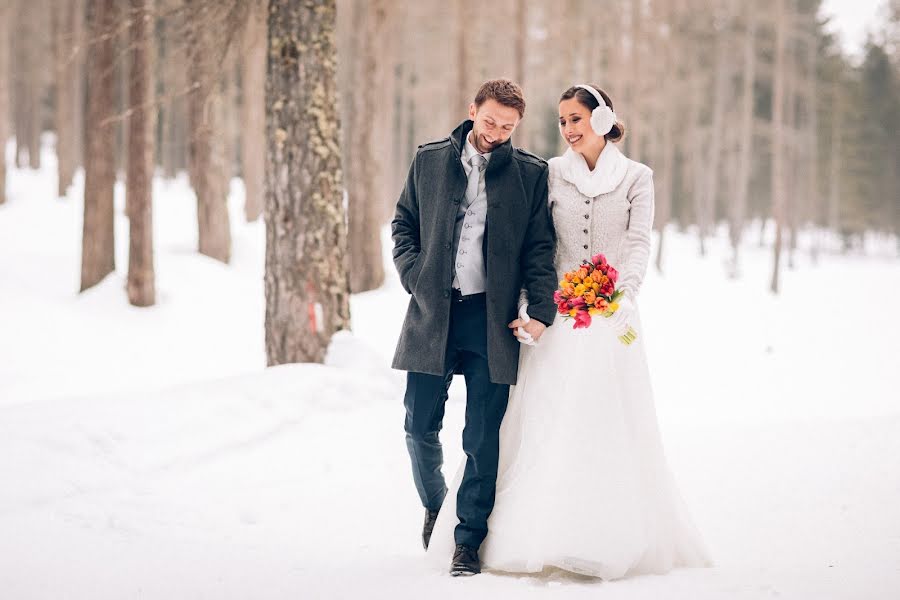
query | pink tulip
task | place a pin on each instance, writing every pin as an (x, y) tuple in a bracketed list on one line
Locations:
[(612, 274), (582, 320)]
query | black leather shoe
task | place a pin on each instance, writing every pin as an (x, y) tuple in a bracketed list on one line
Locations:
[(465, 561), (430, 518)]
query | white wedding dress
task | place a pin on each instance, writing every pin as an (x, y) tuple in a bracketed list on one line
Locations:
[(583, 483)]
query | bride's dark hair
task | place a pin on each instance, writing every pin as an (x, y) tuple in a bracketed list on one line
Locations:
[(586, 99)]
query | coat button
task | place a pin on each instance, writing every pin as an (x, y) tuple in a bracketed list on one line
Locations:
[(446, 293), (587, 216), (587, 201), (585, 246), (585, 230), (448, 246)]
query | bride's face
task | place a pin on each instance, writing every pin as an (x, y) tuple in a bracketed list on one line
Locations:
[(575, 127)]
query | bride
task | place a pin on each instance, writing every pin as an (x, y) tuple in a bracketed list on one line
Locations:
[(583, 484)]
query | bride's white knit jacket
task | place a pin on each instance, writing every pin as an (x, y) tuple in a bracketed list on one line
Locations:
[(606, 211)]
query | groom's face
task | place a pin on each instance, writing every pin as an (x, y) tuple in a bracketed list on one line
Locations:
[(494, 123)]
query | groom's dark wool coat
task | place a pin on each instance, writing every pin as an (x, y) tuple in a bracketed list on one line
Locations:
[(518, 250)]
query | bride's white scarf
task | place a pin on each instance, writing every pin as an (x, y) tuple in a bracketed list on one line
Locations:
[(608, 173)]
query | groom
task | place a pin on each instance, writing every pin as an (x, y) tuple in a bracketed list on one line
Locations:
[(472, 228)]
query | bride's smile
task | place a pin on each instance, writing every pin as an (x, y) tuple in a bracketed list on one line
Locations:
[(575, 127)]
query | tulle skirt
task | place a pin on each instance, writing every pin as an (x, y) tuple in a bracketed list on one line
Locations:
[(583, 484)]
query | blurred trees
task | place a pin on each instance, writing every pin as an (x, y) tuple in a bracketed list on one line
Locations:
[(29, 73), (5, 23), (750, 114)]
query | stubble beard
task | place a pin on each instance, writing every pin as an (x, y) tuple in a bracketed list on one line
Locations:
[(480, 144)]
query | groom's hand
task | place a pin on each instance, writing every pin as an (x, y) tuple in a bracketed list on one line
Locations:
[(533, 327)]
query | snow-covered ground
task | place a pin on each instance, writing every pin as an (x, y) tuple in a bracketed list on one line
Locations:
[(148, 453)]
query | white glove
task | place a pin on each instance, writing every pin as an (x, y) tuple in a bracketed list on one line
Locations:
[(524, 336), (620, 320)]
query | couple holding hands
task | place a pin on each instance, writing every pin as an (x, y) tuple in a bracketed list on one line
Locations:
[(564, 464)]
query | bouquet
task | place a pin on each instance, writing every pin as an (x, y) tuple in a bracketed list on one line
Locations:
[(590, 291)]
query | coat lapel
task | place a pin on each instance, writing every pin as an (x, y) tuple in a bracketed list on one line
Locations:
[(502, 186), (496, 176)]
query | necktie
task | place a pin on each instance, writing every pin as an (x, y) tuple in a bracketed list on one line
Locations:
[(477, 162)]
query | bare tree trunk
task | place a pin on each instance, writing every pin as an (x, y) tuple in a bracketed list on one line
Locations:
[(665, 185), (710, 171), (404, 122), (520, 41), (39, 21), (791, 186), (97, 243), (206, 144), (520, 47), (174, 78), (69, 19), (778, 75), (464, 91), (745, 140), (386, 130), (253, 110), (122, 70), (668, 106), (834, 158), (695, 159), (307, 287), (367, 271), (617, 72), (5, 12), (231, 117), (812, 139), (635, 98), (141, 146), (30, 50)]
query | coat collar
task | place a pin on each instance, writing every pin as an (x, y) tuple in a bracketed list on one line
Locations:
[(499, 156), (608, 173)]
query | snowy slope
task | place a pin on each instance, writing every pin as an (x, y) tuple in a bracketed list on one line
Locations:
[(148, 453)]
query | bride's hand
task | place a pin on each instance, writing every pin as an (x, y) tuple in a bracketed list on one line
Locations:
[(620, 320), (527, 330)]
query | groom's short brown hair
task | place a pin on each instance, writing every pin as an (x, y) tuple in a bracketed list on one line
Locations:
[(503, 91)]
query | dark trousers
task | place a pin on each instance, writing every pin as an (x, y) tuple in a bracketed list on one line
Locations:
[(485, 407)]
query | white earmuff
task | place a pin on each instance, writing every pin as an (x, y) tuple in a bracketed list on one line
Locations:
[(602, 118)]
